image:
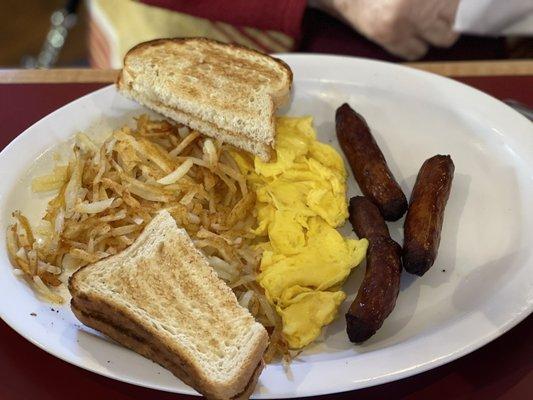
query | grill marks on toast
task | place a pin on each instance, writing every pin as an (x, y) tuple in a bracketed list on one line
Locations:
[(210, 86), (160, 298)]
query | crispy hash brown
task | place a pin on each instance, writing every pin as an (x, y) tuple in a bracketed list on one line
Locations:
[(108, 193)]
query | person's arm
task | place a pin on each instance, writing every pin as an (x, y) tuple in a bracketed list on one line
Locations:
[(277, 15), (405, 28)]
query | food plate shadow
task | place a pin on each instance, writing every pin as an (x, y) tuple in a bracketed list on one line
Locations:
[(103, 357), (484, 281), (480, 284)]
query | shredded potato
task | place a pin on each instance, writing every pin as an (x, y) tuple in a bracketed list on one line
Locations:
[(108, 193), (50, 182)]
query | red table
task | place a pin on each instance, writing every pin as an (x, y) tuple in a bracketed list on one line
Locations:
[(502, 369)]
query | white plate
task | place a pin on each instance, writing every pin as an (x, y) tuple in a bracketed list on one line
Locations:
[(480, 286)]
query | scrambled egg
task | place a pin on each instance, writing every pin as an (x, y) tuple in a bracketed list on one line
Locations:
[(301, 199)]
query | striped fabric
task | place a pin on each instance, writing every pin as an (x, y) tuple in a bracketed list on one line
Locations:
[(99, 51), (117, 25)]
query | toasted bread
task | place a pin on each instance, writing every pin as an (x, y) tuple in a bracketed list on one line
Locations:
[(160, 298), (228, 92)]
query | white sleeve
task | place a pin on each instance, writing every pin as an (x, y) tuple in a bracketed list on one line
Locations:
[(495, 17)]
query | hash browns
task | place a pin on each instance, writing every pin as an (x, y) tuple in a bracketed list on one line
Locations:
[(108, 192)]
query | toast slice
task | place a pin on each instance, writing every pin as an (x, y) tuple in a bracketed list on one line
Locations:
[(160, 298), (225, 91)]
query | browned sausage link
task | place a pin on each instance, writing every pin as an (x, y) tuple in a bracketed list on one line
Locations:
[(426, 212), (366, 219), (368, 164), (377, 295), (378, 292)]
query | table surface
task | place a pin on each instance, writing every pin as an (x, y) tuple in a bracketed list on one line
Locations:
[(502, 369), (455, 69)]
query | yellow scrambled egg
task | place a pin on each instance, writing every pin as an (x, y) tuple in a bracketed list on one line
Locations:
[(301, 199)]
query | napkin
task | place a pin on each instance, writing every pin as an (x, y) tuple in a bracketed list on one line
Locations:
[(495, 17)]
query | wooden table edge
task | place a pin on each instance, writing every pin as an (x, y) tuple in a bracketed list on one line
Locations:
[(452, 68)]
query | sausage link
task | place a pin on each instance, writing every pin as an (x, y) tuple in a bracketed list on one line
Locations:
[(423, 223), (366, 218), (368, 164), (377, 295), (380, 287)]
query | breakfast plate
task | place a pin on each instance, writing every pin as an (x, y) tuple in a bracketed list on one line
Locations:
[(479, 287)]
